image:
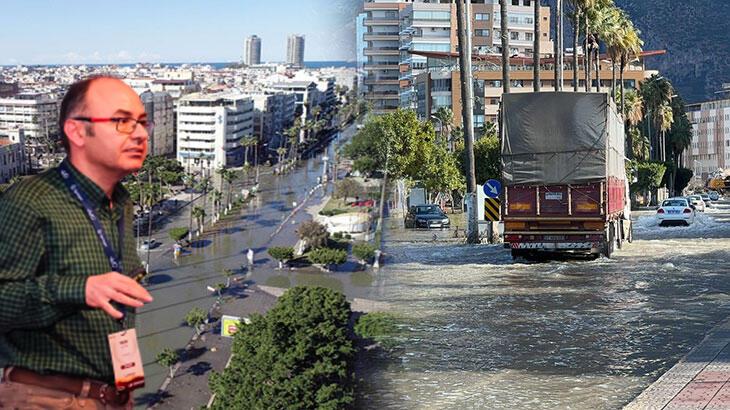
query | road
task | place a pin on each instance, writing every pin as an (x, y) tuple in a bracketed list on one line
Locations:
[(180, 285), (483, 331)]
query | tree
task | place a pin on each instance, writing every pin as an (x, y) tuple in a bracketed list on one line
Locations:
[(247, 141), (363, 251), (228, 273), (348, 188), (297, 356), (649, 177), (195, 319), (168, 358), (656, 92), (177, 234), (314, 233), (217, 196), (327, 257), (199, 215), (682, 179), (679, 138), (446, 117), (282, 254), (487, 157)]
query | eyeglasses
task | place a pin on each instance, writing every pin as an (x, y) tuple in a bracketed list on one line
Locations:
[(125, 125)]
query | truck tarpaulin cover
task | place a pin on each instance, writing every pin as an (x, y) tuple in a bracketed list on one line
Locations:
[(561, 138)]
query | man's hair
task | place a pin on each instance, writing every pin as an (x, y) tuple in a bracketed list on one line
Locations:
[(73, 101)]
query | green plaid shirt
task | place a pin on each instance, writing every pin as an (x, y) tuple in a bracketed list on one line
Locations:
[(48, 248)]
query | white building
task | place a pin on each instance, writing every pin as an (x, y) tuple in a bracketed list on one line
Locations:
[(295, 50), (209, 128), (13, 161), (36, 114), (710, 149), (159, 109), (306, 94), (252, 50)]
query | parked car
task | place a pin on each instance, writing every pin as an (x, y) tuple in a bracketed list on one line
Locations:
[(706, 198), (675, 211), (714, 196), (697, 202), (426, 216), (148, 244)]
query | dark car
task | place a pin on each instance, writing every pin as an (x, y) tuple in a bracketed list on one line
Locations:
[(426, 216)]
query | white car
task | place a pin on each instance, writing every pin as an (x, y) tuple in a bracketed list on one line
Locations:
[(146, 245), (675, 211), (707, 200), (714, 196), (697, 201)]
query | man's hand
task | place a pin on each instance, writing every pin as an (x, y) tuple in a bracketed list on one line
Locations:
[(113, 286)]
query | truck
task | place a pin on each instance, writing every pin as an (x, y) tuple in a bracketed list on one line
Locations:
[(565, 188)]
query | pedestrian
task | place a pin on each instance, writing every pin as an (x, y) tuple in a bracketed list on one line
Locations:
[(68, 259), (249, 257)]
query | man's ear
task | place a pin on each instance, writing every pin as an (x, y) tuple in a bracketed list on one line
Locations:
[(75, 133)]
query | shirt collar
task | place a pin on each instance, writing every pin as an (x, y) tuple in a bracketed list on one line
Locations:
[(95, 194)]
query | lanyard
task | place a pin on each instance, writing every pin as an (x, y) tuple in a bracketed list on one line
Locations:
[(115, 261)]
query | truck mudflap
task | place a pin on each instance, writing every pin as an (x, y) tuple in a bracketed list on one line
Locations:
[(555, 245)]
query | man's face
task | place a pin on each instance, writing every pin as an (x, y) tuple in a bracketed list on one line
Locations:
[(104, 146)]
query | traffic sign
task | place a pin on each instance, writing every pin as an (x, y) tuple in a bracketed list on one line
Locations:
[(492, 188), (491, 209)]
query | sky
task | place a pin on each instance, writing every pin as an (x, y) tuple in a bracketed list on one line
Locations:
[(171, 31)]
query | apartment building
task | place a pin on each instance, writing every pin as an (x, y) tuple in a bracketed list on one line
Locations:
[(295, 50), (306, 95), (159, 109), (252, 50), (209, 128), (397, 29), (439, 86), (710, 149), (34, 113), (13, 159), (274, 112)]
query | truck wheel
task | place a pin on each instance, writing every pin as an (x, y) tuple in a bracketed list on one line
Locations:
[(610, 241), (631, 232)]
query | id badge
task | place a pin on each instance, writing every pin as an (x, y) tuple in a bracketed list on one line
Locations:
[(127, 362)]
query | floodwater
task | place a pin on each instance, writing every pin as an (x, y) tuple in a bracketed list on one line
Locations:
[(482, 331)]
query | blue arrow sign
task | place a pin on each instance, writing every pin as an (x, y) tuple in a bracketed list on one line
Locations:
[(492, 188)]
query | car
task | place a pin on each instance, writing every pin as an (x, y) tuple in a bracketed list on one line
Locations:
[(675, 211), (148, 244), (714, 196), (697, 202), (426, 216), (706, 198)]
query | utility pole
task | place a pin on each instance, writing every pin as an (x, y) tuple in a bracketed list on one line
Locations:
[(561, 47), (463, 11)]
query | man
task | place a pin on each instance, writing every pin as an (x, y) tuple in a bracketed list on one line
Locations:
[(65, 283)]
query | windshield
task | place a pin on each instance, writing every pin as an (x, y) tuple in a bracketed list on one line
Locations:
[(675, 202), (428, 209)]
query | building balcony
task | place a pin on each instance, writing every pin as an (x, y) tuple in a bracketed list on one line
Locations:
[(385, 65), (381, 22), (381, 51), (381, 81), (382, 95), (390, 36)]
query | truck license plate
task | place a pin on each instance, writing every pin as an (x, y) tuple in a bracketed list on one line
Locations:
[(554, 237)]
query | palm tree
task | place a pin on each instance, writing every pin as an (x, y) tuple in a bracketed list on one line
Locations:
[(217, 196), (579, 9), (505, 45), (631, 48), (656, 92), (293, 134), (199, 215), (446, 116), (247, 141)]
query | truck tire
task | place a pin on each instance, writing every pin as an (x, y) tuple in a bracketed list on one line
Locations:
[(610, 241), (631, 232)]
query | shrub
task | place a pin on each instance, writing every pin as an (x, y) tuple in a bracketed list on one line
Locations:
[(337, 235), (378, 326), (363, 251), (297, 356), (168, 358), (314, 233), (178, 234), (332, 212), (195, 318), (347, 188), (328, 256), (281, 254)]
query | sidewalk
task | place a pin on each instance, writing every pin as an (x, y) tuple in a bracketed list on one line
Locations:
[(701, 380)]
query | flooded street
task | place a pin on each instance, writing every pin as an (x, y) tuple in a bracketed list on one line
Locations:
[(482, 331)]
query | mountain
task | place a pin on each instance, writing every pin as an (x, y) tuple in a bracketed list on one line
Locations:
[(695, 34)]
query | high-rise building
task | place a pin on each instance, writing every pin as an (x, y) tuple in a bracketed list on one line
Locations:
[(252, 50), (710, 149), (159, 109), (209, 128), (295, 50)]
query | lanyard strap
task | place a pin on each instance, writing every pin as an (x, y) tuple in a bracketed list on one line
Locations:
[(115, 262)]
